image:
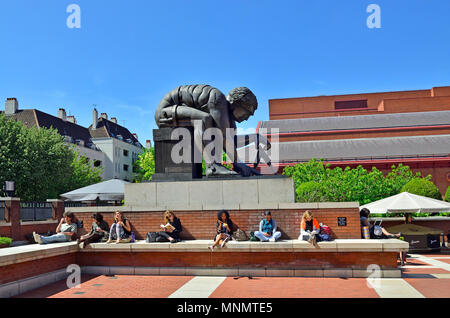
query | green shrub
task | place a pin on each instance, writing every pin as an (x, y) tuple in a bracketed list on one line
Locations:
[(423, 187), (5, 240), (311, 192), (447, 195)]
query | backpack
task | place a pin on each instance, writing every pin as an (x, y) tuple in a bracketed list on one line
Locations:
[(325, 229), (253, 238), (151, 237), (378, 230), (240, 235)]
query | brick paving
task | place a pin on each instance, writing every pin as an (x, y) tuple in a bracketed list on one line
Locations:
[(272, 287), (418, 274)]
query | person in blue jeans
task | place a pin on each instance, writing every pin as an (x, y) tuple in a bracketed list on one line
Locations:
[(268, 229), (65, 230)]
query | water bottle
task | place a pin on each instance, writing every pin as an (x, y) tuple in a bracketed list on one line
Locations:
[(132, 237)]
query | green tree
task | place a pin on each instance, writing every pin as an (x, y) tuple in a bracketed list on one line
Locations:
[(145, 165), (83, 174), (423, 187), (337, 185), (447, 195), (38, 160), (311, 191)]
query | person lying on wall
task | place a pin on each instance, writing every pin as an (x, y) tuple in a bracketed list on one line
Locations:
[(120, 230), (170, 229), (64, 231), (268, 229), (224, 228), (99, 230)]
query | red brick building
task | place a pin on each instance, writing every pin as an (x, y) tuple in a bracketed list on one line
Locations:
[(375, 129)]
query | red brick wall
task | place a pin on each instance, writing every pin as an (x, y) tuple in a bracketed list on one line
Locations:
[(385, 102), (15, 272), (241, 259), (201, 224), (18, 232), (5, 231)]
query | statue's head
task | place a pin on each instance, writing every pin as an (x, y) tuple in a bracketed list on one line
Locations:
[(243, 103)]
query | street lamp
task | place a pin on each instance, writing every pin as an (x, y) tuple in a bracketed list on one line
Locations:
[(9, 187)]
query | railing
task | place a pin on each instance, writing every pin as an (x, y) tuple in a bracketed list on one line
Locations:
[(35, 211), (73, 204), (2, 211)]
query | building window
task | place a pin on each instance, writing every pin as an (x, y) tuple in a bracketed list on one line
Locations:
[(125, 153), (350, 104), (125, 167)]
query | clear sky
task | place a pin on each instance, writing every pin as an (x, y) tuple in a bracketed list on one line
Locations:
[(128, 54)]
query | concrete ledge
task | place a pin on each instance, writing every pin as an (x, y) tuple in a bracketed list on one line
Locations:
[(216, 206), (51, 221), (226, 192), (340, 245), (25, 285), (25, 253), (239, 271)]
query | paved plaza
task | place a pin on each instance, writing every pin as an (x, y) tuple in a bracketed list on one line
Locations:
[(424, 276)]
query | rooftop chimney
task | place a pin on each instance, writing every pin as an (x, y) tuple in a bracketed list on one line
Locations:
[(94, 119), (62, 114), (72, 119), (135, 136), (114, 120), (148, 144), (104, 115), (11, 106)]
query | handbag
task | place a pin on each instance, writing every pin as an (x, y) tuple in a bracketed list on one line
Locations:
[(366, 232), (151, 237), (253, 238), (240, 235), (377, 229)]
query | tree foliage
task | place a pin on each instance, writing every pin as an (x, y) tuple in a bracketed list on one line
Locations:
[(145, 165), (423, 187), (316, 182), (447, 195), (40, 162)]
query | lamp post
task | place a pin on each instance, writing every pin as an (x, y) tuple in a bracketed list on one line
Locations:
[(10, 188)]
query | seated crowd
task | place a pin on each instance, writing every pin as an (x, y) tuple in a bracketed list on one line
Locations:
[(121, 230)]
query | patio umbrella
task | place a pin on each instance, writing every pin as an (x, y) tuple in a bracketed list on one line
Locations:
[(406, 202), (111, 190)]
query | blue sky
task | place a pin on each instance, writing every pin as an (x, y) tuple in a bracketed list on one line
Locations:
[(128, 54)]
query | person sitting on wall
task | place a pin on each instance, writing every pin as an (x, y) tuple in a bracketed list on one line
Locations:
[(364, 219), (99, 230), (171, 228), (64, 231), (309, 228), (268, 229), (120, 230), (224, 227)]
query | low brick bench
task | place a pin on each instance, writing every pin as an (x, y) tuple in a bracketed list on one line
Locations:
[(339, 258), (28, 267)]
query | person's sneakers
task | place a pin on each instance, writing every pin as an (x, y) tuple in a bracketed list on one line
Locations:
[(37, 238), (225, 241), (272, 239), (211, 248)]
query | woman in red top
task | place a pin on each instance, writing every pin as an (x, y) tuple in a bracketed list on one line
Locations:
[(309, 228)]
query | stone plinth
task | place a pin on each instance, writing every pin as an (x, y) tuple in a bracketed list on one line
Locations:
[(252, 191)]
